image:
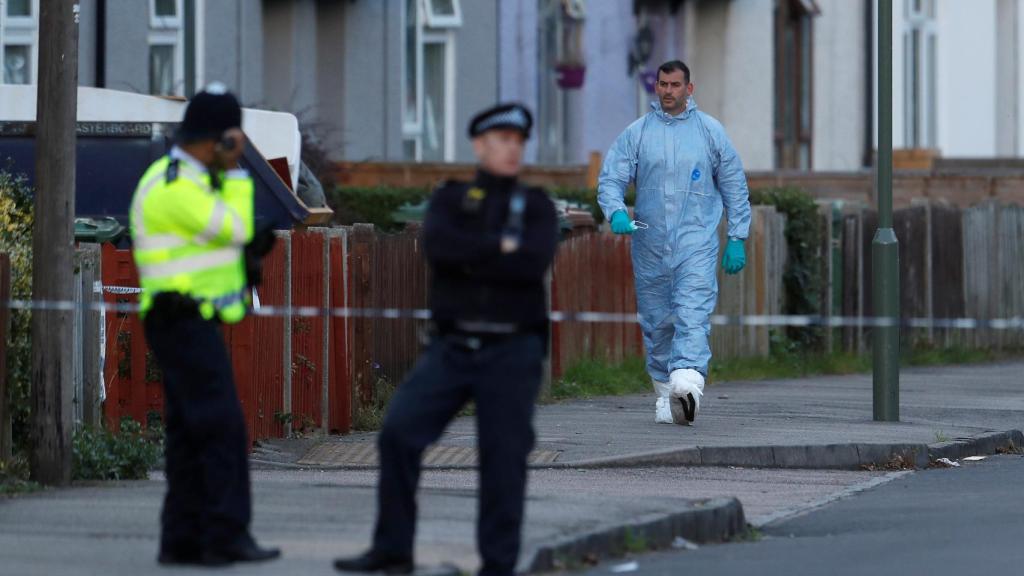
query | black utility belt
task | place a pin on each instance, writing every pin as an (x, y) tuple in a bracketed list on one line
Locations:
[(477, 341), (174, 306), (474, 335), (486, 327)]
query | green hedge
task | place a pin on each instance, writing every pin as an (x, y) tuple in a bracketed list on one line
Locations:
[(376, 205), (802, 277), (372, 205), (16, 240)]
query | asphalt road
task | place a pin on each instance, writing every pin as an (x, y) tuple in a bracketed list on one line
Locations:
[(956, 522)]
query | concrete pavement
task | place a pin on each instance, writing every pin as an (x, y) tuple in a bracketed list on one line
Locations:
[(823, 422)]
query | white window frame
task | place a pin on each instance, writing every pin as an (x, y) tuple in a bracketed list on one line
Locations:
[(434, 20), (175, 40), (23, 21), (167, 22), (426, 34), (169, 31), (20, 31), (200, 48), (413, 130), (447, 41), (922, 113), (552, 103)]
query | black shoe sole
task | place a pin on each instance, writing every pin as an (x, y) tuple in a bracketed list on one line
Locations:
[(221, 559), (184, 562), (264, 558), (398, 568), (177, 561), (689, 407)]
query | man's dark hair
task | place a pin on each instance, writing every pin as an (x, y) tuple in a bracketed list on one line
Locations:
[(673, 65)]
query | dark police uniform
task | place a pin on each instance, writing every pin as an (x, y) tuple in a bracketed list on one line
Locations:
[(490, 327)]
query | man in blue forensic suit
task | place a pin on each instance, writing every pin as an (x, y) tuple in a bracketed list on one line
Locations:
[(686, 171)]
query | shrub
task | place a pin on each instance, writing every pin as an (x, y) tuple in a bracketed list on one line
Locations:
[(375, 205), (802, 277), (372, 205), (14, 477), (16, 240), (128, 455)]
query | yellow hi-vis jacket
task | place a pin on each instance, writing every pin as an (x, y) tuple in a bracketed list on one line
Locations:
[(189, 238)]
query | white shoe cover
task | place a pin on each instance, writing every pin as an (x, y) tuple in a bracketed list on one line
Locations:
[(662, 409), (662, 389), (687, 382), (663, 412)]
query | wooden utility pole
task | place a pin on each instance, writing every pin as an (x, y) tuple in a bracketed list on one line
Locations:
[(53, 241)]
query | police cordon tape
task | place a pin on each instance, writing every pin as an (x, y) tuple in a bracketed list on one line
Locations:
[(558, 316)]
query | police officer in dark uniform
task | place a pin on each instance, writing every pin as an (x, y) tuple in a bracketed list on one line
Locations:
[(489, 244), (194, 244)]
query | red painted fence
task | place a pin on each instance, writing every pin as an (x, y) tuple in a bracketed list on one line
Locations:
[(282, 368)]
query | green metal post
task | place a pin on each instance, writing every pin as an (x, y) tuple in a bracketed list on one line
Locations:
[(885, 255)]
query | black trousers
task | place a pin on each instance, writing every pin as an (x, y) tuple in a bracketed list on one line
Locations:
[(208, 504), (503, 378)]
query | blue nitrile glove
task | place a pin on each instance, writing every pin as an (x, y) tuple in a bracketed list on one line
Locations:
[(735, 257), (621, 224)]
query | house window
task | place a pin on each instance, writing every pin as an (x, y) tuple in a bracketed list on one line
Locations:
[(166, 48), (162, 77), (165, 13), (561, 67), (410, 79), (19, 41), (428, 79), (443, 13), (919, 69), (552, 108), (794, 81), (435, 100), (19, 8), (17, 64)]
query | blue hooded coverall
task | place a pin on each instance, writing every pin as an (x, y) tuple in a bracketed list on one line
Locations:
[(685, 170)]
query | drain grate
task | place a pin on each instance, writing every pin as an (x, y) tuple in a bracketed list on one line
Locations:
[(365, 454)]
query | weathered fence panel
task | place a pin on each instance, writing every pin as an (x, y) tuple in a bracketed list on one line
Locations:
[(386, 271), (757, 290), (946, 250), (86, 326), (593, 272), (339, 375), (993, 262), (953, 264)]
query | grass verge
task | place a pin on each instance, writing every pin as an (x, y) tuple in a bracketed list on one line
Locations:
[(591, 378)]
